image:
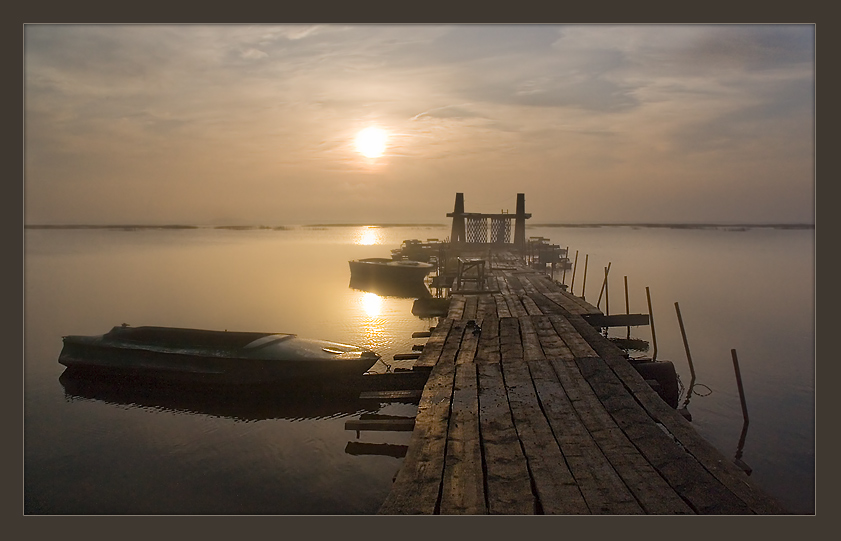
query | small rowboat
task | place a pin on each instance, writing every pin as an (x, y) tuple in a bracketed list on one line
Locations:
[(378, 269), (205, 356)]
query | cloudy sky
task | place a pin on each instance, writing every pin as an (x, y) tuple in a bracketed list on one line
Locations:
[(234, 124)]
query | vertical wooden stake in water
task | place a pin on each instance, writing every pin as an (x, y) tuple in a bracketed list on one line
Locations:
[(627, 306), (574, 266), (738, 459), (566, 258), (604, 291), (651, 320), (739, 383), (584, 284), (686, 347)]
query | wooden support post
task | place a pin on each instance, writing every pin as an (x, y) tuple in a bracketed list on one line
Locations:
[(520, 222), (651, 320), (566, 258), (574, 266), (738, 459), (584, 285), (627, 306), (457, 235)]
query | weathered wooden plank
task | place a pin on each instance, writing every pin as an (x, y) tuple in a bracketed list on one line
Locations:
[(487, 349), (515, 306), (531, 343), (531, 307), (513, 283), (602, 488), (470, 307), (678, 427), (487, 307), (418, 483), (616, 320), (649, 489), (501, 306), (463, 487), (557, 491), (470, 342), (704, 493), (508, 482), (568, 301), (457, 303), (577, 344), (434, 346)]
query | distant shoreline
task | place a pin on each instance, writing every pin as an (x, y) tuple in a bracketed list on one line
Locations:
[(129, 227)]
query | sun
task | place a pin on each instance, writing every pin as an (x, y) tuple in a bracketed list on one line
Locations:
[(370, 142)]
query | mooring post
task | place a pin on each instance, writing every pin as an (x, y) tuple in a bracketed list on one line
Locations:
[(739, 383), (520, 222), (566, 259), (689, 360), (627, 306), (584, 284), (457, 234), (604, 290), (738, 460), (685, 346), (651, 319), (574, 266)]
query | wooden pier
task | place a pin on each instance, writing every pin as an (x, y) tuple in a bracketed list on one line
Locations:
[(529, 409)]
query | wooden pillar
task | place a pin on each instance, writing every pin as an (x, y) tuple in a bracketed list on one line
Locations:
[(458, 233), (520, 222)]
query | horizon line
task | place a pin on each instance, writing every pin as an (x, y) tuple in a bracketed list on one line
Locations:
[(800, 225)]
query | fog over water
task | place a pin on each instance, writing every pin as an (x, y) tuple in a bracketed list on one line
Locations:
[(746, 289)]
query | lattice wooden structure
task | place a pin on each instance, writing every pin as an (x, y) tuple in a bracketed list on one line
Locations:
[(474, 228)]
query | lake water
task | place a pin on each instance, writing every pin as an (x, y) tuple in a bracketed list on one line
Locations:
[(107, 449)]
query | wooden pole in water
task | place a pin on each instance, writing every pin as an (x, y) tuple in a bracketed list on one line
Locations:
[(738, 460), (627, 306), (566, 258), (574, 266), (685, 346), (651, 319), (584, 284), (604, 291), (739, 383)]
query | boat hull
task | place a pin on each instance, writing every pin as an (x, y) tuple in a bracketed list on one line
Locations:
[(380, 270), (216, 358)]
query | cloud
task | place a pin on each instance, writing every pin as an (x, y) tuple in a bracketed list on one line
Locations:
[(254, 54)]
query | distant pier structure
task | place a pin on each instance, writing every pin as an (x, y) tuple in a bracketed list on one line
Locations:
[(481, 228)]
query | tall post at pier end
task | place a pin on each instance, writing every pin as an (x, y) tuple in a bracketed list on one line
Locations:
[(458, 234), (520, 222)]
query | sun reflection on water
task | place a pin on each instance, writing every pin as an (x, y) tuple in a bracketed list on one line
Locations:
[(372, 304), (369, 235)]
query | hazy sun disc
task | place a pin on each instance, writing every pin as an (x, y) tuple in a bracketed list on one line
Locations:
[(370, 142)]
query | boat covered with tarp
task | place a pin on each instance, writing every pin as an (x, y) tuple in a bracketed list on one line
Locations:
[(207, 356)]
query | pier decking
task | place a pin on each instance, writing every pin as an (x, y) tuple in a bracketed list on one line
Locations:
[(529, 409)]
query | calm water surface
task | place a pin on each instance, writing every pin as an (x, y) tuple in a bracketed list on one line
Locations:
[(110, 449)]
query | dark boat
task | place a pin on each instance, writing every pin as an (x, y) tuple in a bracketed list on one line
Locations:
[(378, 269), (214, 357)]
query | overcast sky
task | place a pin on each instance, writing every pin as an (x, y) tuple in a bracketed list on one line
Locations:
[(233, 124)]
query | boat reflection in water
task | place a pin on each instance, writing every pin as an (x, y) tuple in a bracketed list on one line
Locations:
[(319, 400), (390, 288)]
